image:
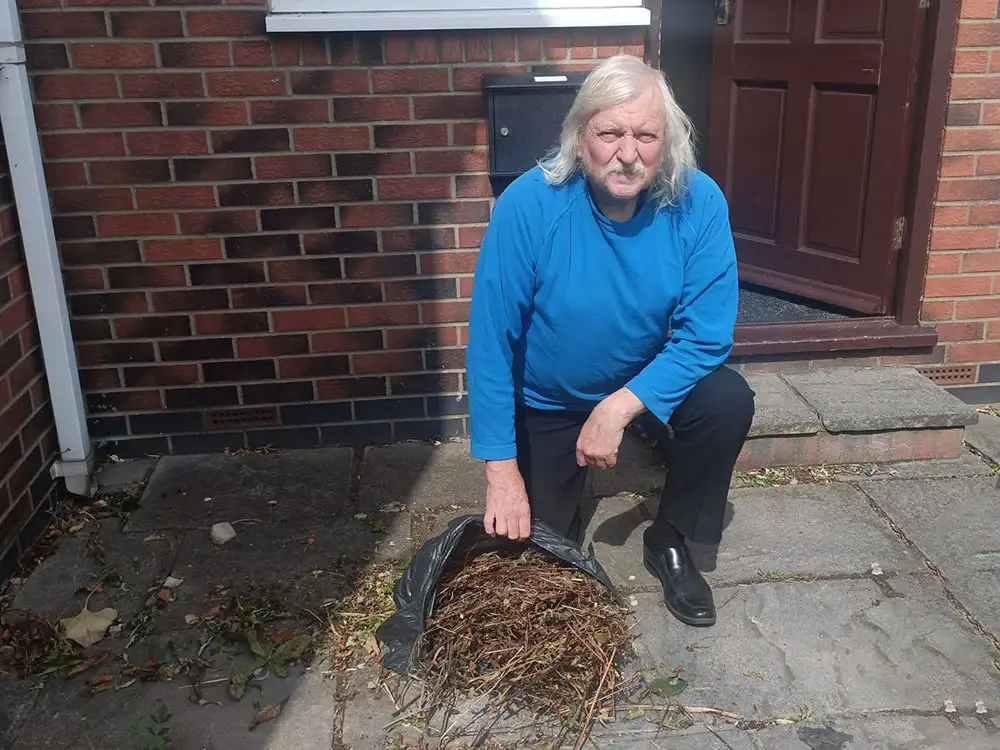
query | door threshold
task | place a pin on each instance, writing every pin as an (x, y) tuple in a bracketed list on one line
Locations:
[(818, 336)]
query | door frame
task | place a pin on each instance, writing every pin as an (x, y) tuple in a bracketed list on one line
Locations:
[(902, 330)]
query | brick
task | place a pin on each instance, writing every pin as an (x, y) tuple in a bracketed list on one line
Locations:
[(263, 246), (993, 330), (129, 172), (376, 363), (240, 322), (201, 397), (271, 296), (46, 56), (944, 263), (972, 61), (218, 222), (964, 114), (371, 108), (458, 212), (307, 269), (374, 266), (377, 215), (195, 54), (284, 219), (358, 165), (335, 191), (397, 49), (933, 310), (963, 190), (425, 238), (977, 87), (136, 224), (449, 107), (977, 308), (341, 293), (414, 188), (411, 136), (175, 196), (347, 341), (420, 289), (991, 114), (343, 138), (960, 239), (62, 25), (74, 227), (277, 393), (308, 319), (206, 113), (62, 146), (988, 351), (113, 55), (299, 165), (470, 134), (120, 114), (155, 326), (191, 248), (444, 312), (109, 303), (477, 47), (339, 81), (981, 262), (93, 253), (144, 24), (381, 315), (139, 277), (988, 164), (247, 369), (957, 286), (250, 140), (169, 85), (311, 367), (92, 199), (272, 346), (214, 170), (195, 350), (124, 401), (75, 279), (167, 143), (972, 139), (226, 23), (958, 166), (239, 83), (75, 86), (950, 215), (978, 9), (984, 213), (948, 332), (504, 46), (282, 111), (452, 49), (467, 160), (471, 79), (425, 49), (65, 174), (252, 54), (409, 80), (459, 262), (190, 300), (257, 194)]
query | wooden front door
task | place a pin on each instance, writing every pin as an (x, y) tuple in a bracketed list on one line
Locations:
[(809, 128)]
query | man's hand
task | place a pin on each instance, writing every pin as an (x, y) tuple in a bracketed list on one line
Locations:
[(602, 433), (507, 510)]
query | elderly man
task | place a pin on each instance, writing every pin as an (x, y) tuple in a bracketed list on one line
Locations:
[(606, 290)]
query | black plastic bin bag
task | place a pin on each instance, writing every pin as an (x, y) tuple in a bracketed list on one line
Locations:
[(415, 591)]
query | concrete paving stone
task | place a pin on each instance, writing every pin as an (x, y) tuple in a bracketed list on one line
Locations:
[(124, 476), (830, 646), (888, 731), (16, 700), (640, 469), (877, 399), (615, 526), (984, 436), (954, 523), (295, 488), (779, 410), (800, 530), (966, 465), (422, 476), (63, 720)]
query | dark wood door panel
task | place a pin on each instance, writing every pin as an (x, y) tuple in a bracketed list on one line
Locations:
[(808, 137)]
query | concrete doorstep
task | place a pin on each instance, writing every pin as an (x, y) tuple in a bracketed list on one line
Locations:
[(857, 606)]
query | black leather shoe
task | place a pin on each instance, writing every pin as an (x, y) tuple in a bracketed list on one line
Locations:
[(685, 591)]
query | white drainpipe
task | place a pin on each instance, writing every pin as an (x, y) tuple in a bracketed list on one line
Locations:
[(75, 463)]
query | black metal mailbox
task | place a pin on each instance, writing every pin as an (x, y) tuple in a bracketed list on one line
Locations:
[(526, 113)]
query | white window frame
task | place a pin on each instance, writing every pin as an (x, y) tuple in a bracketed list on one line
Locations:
[(452, 15)]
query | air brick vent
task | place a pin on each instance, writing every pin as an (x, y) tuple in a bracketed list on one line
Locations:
[(224, 419), (960, 375)]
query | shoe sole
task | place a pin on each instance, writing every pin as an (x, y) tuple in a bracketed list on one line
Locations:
[(694, 622)]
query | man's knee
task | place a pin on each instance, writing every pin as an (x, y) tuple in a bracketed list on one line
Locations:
[(724, 398)]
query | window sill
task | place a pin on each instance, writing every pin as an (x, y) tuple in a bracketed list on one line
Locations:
[(527, 18)]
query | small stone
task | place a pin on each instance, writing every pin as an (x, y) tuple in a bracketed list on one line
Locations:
[(876, 569), (360, 516), (949, 707), (172, 583), (633, 602), (631, 578), (981, 707), (222, 532), (272, 502)]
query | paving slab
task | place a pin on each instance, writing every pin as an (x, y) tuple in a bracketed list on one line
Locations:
[(779, 410), (966, 465), (16, 700), (984, 436), (422, 476), (831, 646), (124, 476), (640, 469), (801, 530), (615, 529), (878, 399), (877, 732), (291, 488), (954, 522)]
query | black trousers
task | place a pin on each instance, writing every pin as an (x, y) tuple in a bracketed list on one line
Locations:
[(704, 438)]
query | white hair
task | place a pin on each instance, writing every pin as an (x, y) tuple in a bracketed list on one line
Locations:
[(617, 80)]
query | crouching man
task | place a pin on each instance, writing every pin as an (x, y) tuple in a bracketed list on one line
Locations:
[(606, 289)]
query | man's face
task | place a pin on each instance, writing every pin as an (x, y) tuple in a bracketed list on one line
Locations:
[(622, 147)]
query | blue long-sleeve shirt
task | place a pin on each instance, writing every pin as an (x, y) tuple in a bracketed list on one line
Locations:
[(569, 306)]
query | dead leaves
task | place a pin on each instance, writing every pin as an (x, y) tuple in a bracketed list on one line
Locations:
[(88, 628), (266, 714)]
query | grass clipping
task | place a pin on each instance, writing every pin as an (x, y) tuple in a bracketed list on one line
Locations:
[(528, 629)]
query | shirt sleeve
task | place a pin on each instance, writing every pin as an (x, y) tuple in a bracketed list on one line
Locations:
[(501, 299), (704, 319)]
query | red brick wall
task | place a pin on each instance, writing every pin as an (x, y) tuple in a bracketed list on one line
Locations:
[(287, 222), (27, 435), (962, 292)]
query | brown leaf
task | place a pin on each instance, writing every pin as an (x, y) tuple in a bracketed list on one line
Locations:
[(213, 612), (266, 714), (101, 679), (84, 666), (165, 596), (154, 538), (77, 527), (281, 636)]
